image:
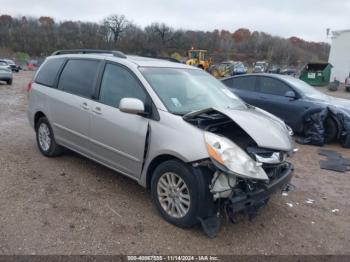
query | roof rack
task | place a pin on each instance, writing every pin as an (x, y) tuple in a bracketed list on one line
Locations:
[(170, 59), (89, 51)]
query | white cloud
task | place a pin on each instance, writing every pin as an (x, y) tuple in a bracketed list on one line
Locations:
[(304, 18)]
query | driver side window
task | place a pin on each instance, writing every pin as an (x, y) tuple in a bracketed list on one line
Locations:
[(117, 83), (273, 86)]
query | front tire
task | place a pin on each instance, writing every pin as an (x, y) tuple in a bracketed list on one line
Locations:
[(331, 130), (9, 82), (177, 194), (46, 140)]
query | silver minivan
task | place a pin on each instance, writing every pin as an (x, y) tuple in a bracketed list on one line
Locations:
[(171, 127)]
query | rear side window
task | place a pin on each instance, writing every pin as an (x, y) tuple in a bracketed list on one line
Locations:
[(78, 77), (273, 86), (48, 72), (118, 83), (243, 83)]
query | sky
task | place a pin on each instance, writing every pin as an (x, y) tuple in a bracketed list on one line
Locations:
[(307, 19)]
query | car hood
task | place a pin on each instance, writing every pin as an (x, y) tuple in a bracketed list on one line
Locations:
[(330, 101), (265, 129)]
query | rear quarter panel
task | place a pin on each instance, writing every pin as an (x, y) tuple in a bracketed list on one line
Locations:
[(39, 100)]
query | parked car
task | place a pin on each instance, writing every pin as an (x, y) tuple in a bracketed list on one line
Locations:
[(14, 67), (5, 73), (33, 62), (239, 68), (260, 67), (171, 127), (227, 68), (288, 98), (274, 69), (347, 83)]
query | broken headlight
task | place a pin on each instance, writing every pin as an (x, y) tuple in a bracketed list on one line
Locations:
[(290, 130), (267, 156), (227, 153)]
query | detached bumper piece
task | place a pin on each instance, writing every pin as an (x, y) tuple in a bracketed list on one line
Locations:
[(334, 162), (248, 199), (251, 201)]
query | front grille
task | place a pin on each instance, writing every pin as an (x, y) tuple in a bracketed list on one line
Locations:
[(275, 171)]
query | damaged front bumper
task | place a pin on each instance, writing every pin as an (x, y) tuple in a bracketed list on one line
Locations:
[(250, 200)]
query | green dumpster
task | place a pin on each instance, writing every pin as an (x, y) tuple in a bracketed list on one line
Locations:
[(316, 74)]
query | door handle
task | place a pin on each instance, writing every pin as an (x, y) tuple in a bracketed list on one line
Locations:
[(97, 110), (85, 106)]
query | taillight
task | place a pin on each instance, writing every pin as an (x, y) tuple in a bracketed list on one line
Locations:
[(29, 86)]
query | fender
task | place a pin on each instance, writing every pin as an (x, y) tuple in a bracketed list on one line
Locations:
[(315, 110)]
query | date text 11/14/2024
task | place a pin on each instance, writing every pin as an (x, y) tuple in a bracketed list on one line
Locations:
[(173, 258)]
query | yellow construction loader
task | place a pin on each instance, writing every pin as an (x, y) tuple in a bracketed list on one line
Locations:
[(199, 58)]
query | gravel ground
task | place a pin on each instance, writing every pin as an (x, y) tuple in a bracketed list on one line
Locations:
[(71, 205)]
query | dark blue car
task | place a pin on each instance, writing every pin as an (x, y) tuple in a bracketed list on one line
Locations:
[(288, 98)]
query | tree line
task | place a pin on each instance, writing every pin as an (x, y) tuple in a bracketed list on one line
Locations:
[(38, 37)]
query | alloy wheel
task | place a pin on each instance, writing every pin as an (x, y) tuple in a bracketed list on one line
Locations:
[(173, 195), (44, 137)]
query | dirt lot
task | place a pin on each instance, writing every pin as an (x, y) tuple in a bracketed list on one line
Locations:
[(71, 205)]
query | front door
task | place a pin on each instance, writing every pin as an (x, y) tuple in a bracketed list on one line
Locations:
[(272, 98), (118, 138)]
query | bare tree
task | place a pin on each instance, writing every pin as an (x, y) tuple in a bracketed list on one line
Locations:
[(161, 31), (40, 36), (115, 25)]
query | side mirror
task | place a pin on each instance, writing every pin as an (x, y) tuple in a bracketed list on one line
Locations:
[(290, 94), (131, 106)]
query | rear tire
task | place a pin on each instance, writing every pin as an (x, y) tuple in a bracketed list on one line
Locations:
[(345, 141), (46, 140), (173, 184), (331, 130)]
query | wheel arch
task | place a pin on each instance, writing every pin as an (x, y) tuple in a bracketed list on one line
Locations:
[(37, 116), (316, 110), (156, 162), (202, 176), (339, 125)]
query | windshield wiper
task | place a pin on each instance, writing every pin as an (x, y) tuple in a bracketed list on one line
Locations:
[(195, 113)]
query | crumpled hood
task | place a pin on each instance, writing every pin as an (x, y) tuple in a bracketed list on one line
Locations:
[(335, 102), (340, 103), (265, 129)]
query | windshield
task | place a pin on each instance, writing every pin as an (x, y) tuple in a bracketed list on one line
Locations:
[(239, 66), (305, 88), (186, 90)]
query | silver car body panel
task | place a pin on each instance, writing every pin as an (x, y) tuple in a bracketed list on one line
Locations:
[(266, 130), (118, 140), (175, 137)]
